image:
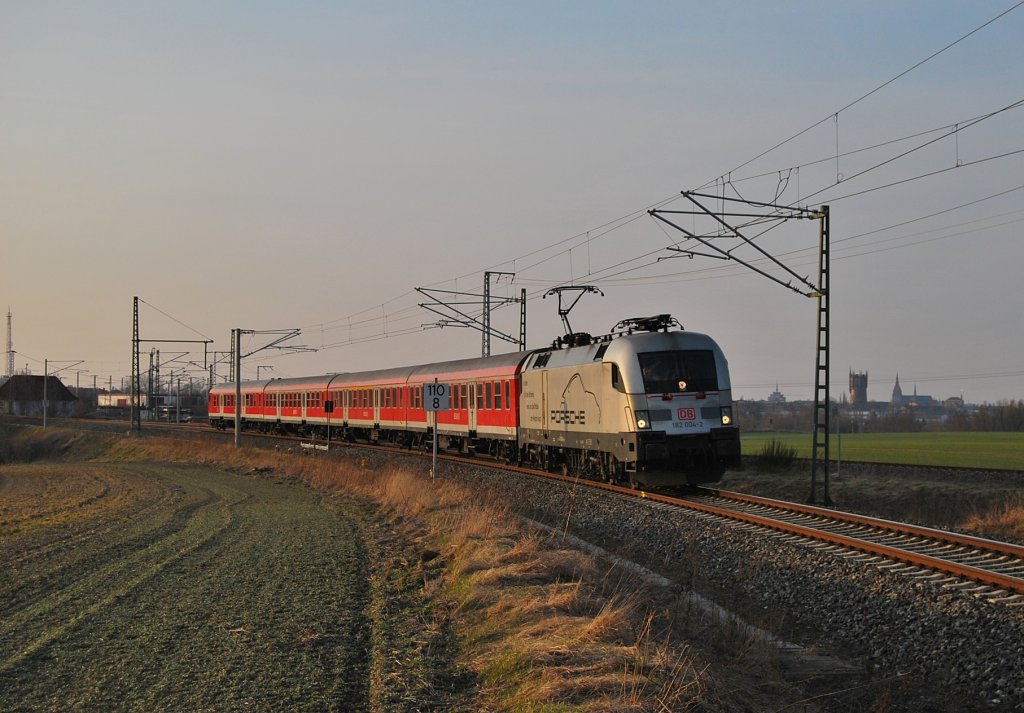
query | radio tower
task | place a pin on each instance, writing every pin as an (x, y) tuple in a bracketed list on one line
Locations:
[(10, 344)]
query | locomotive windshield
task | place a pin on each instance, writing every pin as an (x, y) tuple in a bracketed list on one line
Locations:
[(672, 372)]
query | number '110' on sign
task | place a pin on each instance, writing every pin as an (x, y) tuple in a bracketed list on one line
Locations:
[(437, 396)]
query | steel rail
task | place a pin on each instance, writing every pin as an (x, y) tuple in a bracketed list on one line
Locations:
[(902, 528), (998, 580), (962, 469)]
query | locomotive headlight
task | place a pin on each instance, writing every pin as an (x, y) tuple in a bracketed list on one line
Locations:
[(726, 415), (643, 420)]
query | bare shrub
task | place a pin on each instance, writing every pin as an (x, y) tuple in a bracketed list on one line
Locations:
[(776, 456)]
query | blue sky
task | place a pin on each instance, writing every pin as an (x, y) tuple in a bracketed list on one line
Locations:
[(271, 165)]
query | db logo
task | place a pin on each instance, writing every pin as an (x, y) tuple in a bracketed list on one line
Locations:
[(687, 414)]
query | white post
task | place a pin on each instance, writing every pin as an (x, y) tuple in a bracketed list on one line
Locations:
[(433, 464), (238, 387), (839, 439)]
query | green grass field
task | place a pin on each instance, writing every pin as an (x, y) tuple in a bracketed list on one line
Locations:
[(958, 450)]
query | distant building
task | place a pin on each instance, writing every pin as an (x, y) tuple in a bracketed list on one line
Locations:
[(858, 388), (776, 396), (22, 395), (916, 401), (116, 399)]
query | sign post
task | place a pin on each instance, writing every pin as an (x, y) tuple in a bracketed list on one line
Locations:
[(436, 397), (328, 409)]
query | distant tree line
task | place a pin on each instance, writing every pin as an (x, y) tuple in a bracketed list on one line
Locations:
[(798, 417), (763, 416), (1002, 416)]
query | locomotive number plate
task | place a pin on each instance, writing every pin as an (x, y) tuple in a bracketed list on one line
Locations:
[(686, 414)]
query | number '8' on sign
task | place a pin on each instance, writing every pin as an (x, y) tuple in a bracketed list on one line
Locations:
[(437, 396)]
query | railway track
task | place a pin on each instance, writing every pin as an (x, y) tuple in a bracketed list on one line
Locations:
[(986, 568)]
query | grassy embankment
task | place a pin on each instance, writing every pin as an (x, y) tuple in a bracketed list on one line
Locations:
[(467, 608)]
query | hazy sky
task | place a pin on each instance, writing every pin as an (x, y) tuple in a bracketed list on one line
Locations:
[(307, 164)]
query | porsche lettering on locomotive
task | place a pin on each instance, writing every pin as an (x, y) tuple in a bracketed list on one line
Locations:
[(567, 416), (647, 404)]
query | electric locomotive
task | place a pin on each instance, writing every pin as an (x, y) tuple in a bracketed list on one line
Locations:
[(643, 405)]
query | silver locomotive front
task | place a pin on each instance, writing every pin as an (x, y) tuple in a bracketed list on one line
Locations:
[(651, 408)]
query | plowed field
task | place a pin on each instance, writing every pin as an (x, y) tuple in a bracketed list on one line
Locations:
[(161, 587)]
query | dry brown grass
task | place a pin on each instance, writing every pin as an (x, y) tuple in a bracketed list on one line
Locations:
[(1004, 521), (545, 627)]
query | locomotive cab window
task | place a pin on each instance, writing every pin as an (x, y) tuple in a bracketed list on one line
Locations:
[(678, 371), (617, 378)]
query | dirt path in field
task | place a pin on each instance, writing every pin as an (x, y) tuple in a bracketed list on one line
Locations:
[(156, 587)]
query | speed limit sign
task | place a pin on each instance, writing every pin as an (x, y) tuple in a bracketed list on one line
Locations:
[(437, 396)]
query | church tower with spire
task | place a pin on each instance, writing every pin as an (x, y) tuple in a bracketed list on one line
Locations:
[(897, 393)]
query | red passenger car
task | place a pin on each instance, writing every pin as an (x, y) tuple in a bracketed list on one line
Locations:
[(387, 405)]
